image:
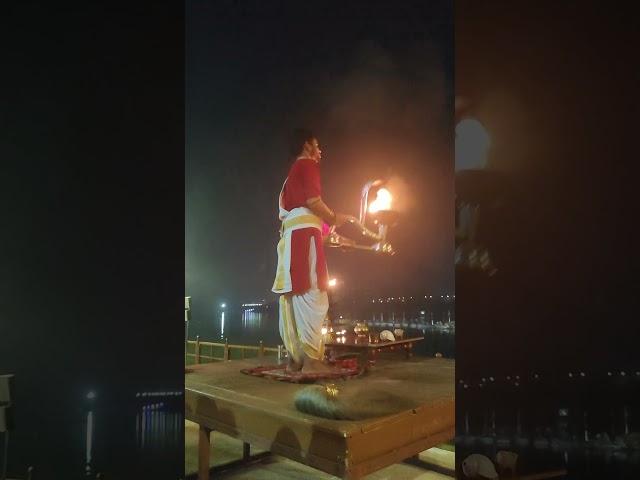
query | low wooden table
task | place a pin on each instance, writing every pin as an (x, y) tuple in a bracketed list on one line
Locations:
[(372, 348), (260, 412)]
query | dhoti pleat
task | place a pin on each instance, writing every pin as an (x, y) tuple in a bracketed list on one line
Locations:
[(302, 316)]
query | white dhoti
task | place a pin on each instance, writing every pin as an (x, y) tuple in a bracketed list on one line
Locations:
[(302, 316)]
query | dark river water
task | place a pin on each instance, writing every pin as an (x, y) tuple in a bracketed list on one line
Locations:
[(121, 436)]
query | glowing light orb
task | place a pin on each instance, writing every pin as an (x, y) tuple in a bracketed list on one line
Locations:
[(382, 202)]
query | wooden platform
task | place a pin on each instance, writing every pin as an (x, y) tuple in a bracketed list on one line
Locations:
[(260, 412)]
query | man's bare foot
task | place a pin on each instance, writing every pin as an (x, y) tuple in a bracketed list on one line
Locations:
[(293, 366), (315, 366)]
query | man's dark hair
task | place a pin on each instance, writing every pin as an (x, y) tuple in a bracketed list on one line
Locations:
[(298, 139)]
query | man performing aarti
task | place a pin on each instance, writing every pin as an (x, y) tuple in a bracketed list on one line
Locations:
[(302, 278)]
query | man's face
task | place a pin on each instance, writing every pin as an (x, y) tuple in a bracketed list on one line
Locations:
[(313, 150)]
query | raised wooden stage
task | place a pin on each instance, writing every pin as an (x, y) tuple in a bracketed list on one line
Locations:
[(260, 412)]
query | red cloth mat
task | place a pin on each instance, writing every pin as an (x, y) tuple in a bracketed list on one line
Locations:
[(279, 372)]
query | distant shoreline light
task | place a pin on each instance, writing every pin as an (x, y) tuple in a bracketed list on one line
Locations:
[(158, 394)]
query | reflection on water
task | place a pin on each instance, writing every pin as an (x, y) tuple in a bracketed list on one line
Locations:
[(117, 433), (222, 326), (251, 319), (157, 428), (89, 443), (156, 438)]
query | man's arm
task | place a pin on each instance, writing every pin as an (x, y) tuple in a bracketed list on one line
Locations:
[(317, 206)]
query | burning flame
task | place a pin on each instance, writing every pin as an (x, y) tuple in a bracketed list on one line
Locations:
[(382, 202)]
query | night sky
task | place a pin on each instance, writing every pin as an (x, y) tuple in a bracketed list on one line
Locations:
[(375, 83)]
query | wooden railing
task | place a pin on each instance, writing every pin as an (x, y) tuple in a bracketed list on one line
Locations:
[(227, 351)]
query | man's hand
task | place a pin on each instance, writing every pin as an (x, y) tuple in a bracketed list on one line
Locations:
[(317, 206)]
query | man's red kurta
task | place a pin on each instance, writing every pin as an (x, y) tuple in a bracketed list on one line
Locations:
[(302, 184)]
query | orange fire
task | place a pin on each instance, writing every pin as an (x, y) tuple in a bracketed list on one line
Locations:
[(382, 202)]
